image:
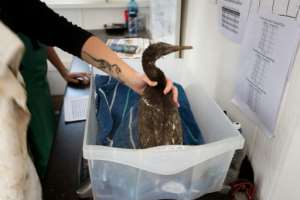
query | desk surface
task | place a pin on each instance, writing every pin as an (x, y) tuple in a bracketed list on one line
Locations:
[(62, 178)]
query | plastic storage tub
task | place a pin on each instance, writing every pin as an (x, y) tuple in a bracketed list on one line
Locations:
[(164, 172)]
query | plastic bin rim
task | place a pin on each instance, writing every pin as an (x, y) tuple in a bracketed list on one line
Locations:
[(204, 152), (168, 148)]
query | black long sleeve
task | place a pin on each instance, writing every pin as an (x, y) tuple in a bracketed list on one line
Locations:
[(36, 20)]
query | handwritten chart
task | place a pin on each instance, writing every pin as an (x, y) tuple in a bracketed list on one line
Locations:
[(233, 16)]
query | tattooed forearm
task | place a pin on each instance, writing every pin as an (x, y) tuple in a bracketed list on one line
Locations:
[(112, 69)]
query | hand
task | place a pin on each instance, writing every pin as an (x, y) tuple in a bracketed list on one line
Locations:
[(142, 81), (171, 87), (77, 78)]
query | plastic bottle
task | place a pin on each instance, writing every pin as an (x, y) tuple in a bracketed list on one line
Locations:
[(126, 18), (132, 21)]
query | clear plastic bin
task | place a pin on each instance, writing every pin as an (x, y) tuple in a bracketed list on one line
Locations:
[(164, 172)]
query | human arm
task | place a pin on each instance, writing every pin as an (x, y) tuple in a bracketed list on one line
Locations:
[(65, 73), (95, 52)]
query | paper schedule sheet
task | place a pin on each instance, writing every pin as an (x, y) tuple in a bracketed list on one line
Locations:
[(233, 15), (75, 108), (267, 55)]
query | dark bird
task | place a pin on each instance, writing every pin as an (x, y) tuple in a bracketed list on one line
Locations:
[(159, 119)]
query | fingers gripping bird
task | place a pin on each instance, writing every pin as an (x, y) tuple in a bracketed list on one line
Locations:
[(159, 119)]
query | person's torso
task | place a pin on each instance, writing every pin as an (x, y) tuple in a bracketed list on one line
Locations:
[(34, 63)]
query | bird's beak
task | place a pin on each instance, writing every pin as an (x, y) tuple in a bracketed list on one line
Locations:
[(175, 48)]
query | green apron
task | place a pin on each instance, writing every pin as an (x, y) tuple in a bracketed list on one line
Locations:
[(41, 128)]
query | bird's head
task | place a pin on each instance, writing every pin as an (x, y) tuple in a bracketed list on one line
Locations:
[(153, 53), (157, 50)]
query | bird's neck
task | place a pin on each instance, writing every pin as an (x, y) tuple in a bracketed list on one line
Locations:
[(154, 74)]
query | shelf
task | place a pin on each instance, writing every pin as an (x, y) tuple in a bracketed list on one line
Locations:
[(91, 3)]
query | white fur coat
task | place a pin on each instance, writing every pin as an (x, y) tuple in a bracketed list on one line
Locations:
[(18, 177)]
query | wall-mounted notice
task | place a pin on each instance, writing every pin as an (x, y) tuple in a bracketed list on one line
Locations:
[(267, 54), (165, 20), (233, 15)]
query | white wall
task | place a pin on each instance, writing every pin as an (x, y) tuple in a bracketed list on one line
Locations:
[(214, 62), (200, 30)]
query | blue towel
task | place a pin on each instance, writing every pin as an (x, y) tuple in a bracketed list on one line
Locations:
[(117, 115)]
